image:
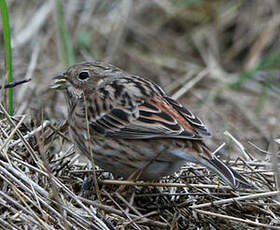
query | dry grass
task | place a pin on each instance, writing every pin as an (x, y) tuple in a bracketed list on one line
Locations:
[(220, 58)]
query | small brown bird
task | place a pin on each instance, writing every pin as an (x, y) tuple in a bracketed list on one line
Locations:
[(131, 127)]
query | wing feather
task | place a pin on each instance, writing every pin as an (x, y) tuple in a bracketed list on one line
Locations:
[(141, 116), (189, 116), (147, 124)]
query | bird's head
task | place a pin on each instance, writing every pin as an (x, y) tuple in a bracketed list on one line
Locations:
[(84, 77)]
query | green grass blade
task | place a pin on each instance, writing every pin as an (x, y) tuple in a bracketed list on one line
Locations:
[(68, 51), (266, 63), (7, 40)]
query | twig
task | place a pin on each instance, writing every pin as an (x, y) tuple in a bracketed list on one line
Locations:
[(15, 83), (145, 184), (128, 204), (140, 218), (219, 148), (190, 84), (122, 210), (10, 137), (19, 177), (231, 200), (258, 148), (27, 145), (96, 186), (276, 169), (180, 81), (241, 147), (36, 22), (253, 163), (236, 219), (120, 213), (32, 133)]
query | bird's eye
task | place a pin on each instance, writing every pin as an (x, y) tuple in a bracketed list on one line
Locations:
[(83, 75)]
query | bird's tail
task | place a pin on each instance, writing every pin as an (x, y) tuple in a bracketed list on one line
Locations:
[(226, 173), (199, 153)]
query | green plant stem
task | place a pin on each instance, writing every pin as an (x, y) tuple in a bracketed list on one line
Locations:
[(7, 40), (68, 51), (266, 63)]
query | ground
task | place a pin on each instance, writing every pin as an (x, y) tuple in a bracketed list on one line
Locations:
[(218, 58)]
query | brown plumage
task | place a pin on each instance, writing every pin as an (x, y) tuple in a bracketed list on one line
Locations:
[(133, 126)]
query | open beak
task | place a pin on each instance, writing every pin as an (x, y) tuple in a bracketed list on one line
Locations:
[(59, 81)]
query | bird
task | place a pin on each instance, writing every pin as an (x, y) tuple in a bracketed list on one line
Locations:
[(131, 127)]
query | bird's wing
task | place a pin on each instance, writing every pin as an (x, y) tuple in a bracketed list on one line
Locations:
[(139, 109), (189, 117)]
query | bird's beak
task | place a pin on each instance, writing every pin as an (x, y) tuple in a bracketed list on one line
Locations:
[(59, 81)]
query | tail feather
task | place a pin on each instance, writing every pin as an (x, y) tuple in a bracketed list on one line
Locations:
[(242, 181), (227, 174), (202, 155), (223, 171)]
